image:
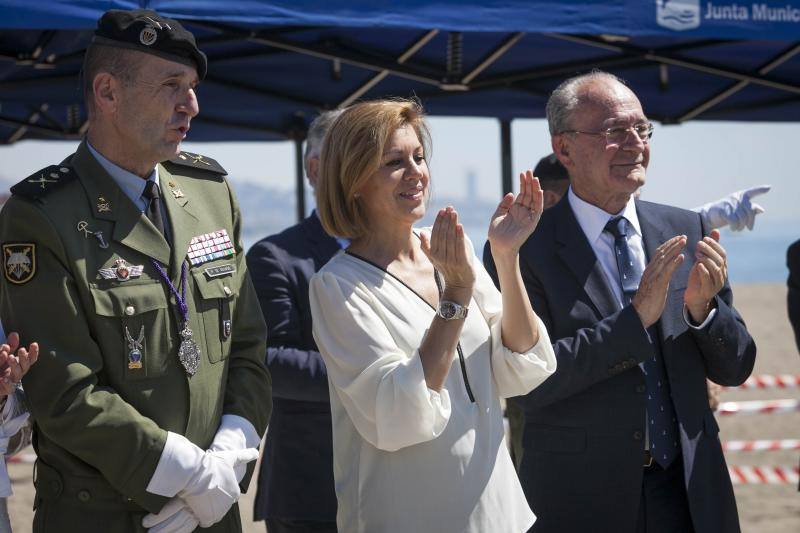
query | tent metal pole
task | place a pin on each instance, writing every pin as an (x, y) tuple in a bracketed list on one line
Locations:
[(493, 56), (33, 118), (261, 91), (49, 132), (656, 57), (325, 52), (505, 155), (300, 191), (370, 83), (739, 85)]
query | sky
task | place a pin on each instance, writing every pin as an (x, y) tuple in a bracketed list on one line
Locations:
[(690, 165)]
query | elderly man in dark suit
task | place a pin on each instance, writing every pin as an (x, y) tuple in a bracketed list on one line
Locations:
[(621, 438), (295, 484)]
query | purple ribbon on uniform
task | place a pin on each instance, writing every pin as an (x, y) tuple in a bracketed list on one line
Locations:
[(180, 298)]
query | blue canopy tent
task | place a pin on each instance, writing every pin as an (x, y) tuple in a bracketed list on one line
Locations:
[(275, 64)]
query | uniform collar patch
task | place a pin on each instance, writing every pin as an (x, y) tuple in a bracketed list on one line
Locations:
[(20, 262)]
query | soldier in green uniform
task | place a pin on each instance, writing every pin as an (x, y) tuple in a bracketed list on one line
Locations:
[(125, 263)]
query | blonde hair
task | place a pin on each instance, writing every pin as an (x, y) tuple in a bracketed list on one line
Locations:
[(352, 153)]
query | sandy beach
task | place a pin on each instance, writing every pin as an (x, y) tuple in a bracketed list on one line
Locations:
[(762, 508)]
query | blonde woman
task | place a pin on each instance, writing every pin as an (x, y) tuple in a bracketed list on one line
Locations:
[(418, 343)]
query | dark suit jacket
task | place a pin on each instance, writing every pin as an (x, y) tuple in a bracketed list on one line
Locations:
[(296, 477), (793, 297), (584, 433)]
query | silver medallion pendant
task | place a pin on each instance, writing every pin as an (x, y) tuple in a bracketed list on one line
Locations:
[(188, 352)]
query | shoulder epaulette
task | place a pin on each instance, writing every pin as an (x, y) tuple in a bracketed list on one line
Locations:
[(188, 159), (44, 181)]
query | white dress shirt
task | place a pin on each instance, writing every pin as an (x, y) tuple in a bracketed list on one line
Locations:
[(592, 221)]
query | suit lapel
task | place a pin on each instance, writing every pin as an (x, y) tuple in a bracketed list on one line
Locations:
[(183, 220), (578, 257), (130, 226), (656, 230), (653, 234)]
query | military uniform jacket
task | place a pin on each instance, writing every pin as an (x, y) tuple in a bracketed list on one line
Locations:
[(101, 416)]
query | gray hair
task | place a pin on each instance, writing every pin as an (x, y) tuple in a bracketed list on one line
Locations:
[(567, 96), (316, 134)]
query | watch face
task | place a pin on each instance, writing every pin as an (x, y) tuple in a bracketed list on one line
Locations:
[(447, 310)]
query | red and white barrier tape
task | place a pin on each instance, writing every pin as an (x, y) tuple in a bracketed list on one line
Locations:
[(764, 475), (760, 445), (782, 381), (758, 406)]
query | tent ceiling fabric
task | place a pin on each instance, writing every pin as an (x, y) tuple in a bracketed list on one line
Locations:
[(274, 65)]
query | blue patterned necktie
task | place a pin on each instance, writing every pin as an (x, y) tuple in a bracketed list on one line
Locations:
[(662, 427)]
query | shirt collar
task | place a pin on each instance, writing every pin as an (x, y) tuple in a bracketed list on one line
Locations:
[(593, 220), (131, 184)]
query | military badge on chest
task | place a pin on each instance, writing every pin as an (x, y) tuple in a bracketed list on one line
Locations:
[(20, 262), (210, 246), (135, 347), (121, 271)]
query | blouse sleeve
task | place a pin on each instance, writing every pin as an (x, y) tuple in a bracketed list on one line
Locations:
[(514, 373), (381, 387)]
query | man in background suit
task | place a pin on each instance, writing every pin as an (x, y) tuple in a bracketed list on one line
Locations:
[(295, 484), (621, 437)]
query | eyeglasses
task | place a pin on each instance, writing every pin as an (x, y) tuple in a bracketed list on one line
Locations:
[(618, 134)]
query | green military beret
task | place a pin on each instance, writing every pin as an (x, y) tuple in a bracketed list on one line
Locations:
[(149, 32)]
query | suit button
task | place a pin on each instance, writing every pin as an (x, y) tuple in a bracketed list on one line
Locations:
[(641, 389), (130, 310), (227, 290), (84, 495), (637, 435)]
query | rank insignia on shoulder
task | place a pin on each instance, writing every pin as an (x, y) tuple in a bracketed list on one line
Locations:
[(20, 262), (188, 159), (42, 182)]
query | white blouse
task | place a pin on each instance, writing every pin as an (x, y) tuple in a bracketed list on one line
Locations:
[(407, 458)]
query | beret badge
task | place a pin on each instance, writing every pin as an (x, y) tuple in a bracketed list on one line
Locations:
[(148, 36)]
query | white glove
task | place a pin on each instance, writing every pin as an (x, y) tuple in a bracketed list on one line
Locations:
[(214, 487), (205, 481), (235, 433), (735, 210), (174, 517)]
